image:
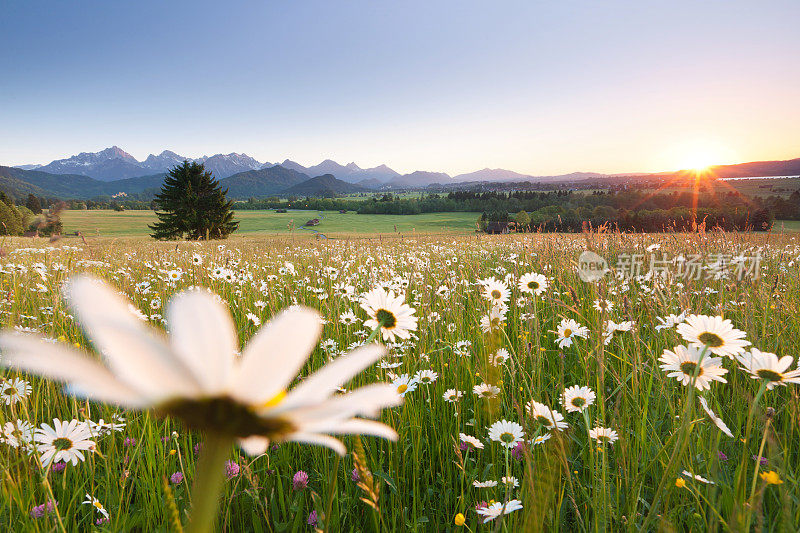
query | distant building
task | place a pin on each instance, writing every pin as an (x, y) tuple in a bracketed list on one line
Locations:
[(497, 227)]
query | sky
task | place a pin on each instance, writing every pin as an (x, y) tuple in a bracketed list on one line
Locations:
[(541, 88)]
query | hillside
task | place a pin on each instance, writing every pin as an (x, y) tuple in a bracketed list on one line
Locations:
[(325, 185), (263, 182), (20, 183), (790, 167)]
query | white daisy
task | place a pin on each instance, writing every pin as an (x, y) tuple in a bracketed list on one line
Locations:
[(94, 502), (604, 435), (452, 395), (494, 320), (682, 364), (485, 390), (670, 321), (197, 376), (767, 366), (577, 398), (390, 313), (14, 390), (101, 427), (532, 283), (719, 335), (510, 481), (547, 417), (612, 327), (495, 291), (501, 357), (348, 318), (498, 509), (426, 377), (252, 317), (540, 439), (472, 441), (17, 434), (404, 384), (603, 305), (568, 329), (488, 484), (63, 442), (507, 433)]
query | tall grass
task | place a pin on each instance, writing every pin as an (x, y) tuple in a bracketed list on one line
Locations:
[(420, 482)]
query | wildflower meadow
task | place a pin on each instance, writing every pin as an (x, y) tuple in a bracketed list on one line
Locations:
[(433, 383)]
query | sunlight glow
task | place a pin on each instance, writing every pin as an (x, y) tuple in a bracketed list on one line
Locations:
[(699, 154)]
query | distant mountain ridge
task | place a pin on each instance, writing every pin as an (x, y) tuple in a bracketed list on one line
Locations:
[(350, 172), (112, 170), (272, 181), (787, 167), (114, 164)]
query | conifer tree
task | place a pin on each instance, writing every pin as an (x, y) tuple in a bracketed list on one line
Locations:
[(192, 205), (34, 204)]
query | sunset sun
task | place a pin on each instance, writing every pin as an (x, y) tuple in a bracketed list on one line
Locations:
[(700, 154)]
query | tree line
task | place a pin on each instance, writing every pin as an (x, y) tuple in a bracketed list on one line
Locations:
[(29, 218)]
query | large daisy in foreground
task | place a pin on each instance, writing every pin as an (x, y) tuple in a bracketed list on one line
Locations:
[(195, 374), (719, 335)]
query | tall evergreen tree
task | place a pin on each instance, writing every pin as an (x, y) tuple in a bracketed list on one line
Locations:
[(192, 205), (34, 204)]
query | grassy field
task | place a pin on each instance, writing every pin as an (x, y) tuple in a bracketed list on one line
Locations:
[(763, 187), (134, 223), (126, 223), (468, 365)]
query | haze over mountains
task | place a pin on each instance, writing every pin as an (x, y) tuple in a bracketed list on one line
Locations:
[(112, 171)]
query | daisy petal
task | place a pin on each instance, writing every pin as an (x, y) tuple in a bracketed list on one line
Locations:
[(89, 377), (327, 380), (133, 351), (359, 426), (320, 440), (255, 445), (364, 401), (275, 354), (203, 337)]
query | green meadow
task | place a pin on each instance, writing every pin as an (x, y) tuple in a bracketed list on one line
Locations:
[(131, 223)]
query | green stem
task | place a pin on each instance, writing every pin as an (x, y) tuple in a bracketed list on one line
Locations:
[(742, 475), (208, 482), (755, 473), (372, 335), (681, 442)]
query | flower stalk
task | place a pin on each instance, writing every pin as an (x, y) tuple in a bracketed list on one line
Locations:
[(208, 482)]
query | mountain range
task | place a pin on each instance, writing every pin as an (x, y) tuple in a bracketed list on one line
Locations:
[(111, 171), (114, 164), (271, 181)]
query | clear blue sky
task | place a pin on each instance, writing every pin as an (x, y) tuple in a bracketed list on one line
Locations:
[(537, 87)]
